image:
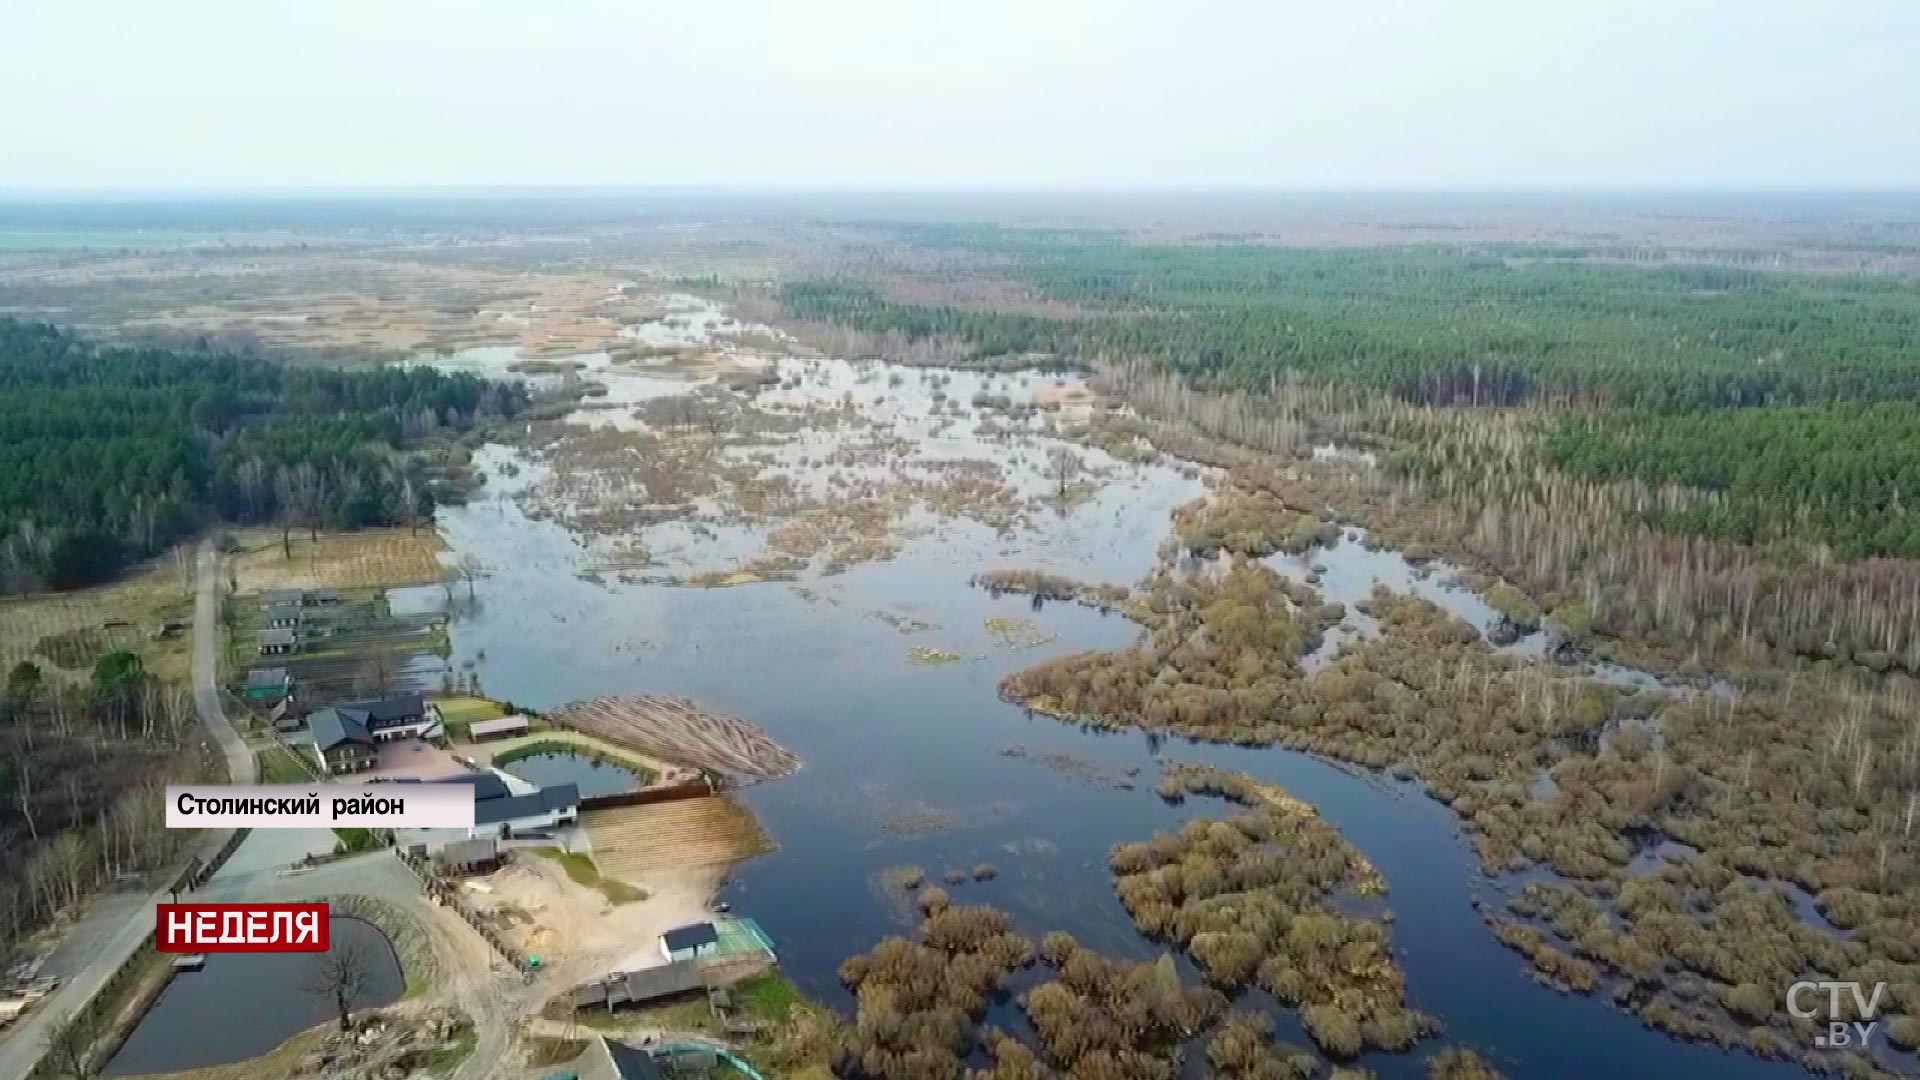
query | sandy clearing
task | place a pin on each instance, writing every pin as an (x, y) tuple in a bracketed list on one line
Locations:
[(570, 925)]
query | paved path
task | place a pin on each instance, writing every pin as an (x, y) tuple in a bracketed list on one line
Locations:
[(25, 1041)]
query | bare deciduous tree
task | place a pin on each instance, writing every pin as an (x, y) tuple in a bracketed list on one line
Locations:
[(339, 975), (1063, 467), (376, 675), (469, 569), (23, 790)]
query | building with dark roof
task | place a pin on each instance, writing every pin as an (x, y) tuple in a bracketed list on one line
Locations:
[(403, 716), (394, 717), (542, 809), (273, 598), (341, 742), (640, 986), (499, 812), (345, 736), (688, 942)]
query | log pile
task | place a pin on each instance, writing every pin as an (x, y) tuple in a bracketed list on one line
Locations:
[(683, 732)]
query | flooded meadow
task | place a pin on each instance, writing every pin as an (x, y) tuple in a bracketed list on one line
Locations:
[(798, 549)]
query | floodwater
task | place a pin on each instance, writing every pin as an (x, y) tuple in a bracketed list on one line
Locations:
[(593, 777), (905, 761), (241, 1005)]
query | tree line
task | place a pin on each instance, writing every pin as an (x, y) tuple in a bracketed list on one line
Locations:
[(112, 454), (1838, 475), (1432, 325)]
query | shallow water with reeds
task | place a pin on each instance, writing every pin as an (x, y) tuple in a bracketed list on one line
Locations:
[(907, 760)]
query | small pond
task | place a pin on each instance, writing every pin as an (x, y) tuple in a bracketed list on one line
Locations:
[(595, 777), (241, 1005)]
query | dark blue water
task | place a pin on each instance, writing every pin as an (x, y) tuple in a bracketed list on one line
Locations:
[(241, 1005), (905, 762), (894, 749), (593, 777)]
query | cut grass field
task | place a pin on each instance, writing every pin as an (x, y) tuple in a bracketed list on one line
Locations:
[(64, 633), (369, 558), (355, 840), (581, 870), (465, 709), (459, 711)]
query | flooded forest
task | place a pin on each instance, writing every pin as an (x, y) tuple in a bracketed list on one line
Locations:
[(1216, 648)]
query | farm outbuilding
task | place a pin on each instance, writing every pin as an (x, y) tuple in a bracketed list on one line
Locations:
[(277, 642), (282, 616), (266, 685), (688, 942), (475, 856), (498, 728), (640, 986)]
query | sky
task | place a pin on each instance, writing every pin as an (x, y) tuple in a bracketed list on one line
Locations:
[(1326, 94)]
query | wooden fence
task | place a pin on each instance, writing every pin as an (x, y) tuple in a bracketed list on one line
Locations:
[(691, 789), (445, 893)]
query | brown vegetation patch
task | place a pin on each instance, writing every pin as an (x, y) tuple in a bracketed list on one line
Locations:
[(1250, 523), (1248, 897), (1630, 769), (1044, 586), (1222, 654)]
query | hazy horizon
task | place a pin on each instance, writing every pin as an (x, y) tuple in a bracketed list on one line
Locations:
[(224, 97)]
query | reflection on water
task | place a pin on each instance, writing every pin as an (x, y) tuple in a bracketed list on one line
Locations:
[(241, 1005)]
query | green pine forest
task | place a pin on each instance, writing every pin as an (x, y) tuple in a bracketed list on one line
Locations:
[(1791, 397), (112, 454)]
